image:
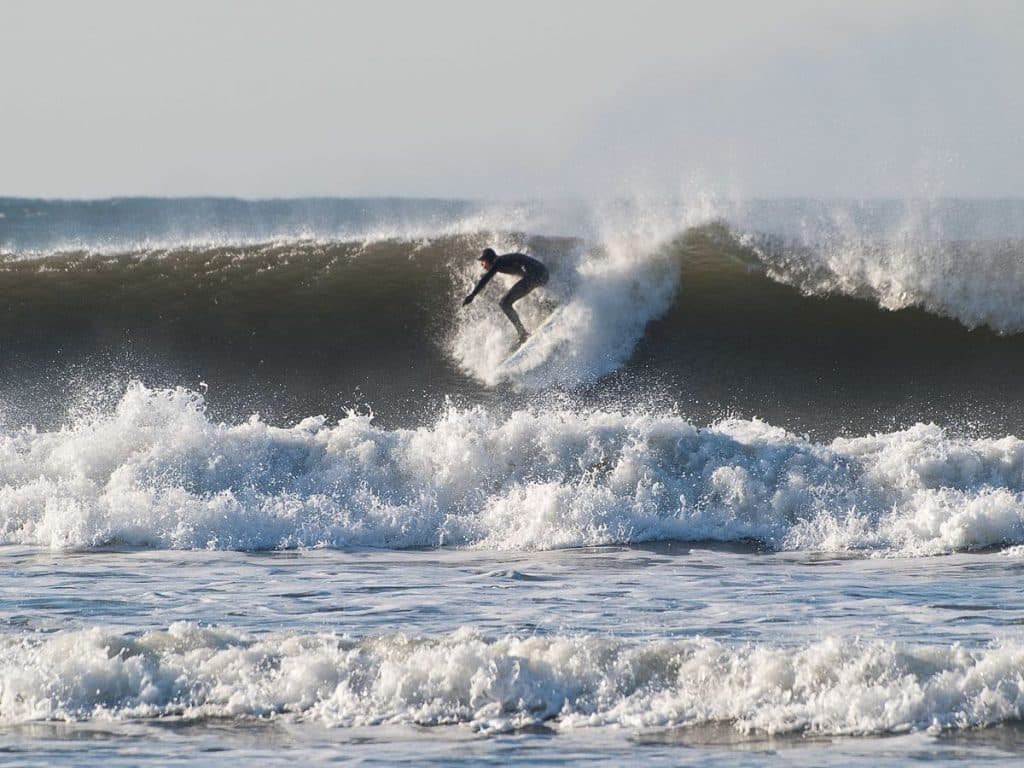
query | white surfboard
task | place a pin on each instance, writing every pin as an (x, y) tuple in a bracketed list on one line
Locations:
[(533, 344)]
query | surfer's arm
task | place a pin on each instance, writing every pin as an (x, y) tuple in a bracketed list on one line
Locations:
[(480, 285)]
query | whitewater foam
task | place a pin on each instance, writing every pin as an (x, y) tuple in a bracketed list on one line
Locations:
[(158, 472), (496, 684)]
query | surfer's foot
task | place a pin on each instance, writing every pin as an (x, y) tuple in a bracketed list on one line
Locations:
[(522, 338)]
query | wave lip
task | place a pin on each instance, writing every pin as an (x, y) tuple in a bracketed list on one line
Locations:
[(975, 282), (158, 472), (829, 687), (33, 228)]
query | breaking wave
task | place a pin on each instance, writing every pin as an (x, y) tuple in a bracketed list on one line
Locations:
[(198, 270), (158, 472), (497, 684)]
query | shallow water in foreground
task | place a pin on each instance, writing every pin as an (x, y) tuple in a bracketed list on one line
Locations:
[(671, 653)]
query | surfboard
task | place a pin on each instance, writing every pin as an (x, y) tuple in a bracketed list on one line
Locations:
[(523, 351)]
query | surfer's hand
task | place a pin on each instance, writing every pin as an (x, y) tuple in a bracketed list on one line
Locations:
[(465, 301)]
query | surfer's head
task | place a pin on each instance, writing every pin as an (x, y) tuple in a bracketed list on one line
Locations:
[(487, 258)]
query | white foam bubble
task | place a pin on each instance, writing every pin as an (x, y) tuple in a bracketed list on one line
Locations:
[(832, 686), (158, 472)]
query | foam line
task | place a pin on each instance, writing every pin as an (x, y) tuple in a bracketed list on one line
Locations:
[(158, 472), (832, 686)]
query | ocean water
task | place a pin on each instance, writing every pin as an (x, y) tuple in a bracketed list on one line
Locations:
[(267, 494)]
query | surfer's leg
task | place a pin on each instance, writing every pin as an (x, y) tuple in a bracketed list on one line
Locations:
[(516, 292)]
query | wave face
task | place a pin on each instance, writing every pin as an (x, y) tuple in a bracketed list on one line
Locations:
[(829, 687), (159, 473)]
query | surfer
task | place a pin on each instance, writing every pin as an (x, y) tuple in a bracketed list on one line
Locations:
[(534, 274)]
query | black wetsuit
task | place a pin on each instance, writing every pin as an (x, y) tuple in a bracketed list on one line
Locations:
[(534, 275)]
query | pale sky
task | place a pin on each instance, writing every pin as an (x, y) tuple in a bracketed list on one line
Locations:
[(512, 99)]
